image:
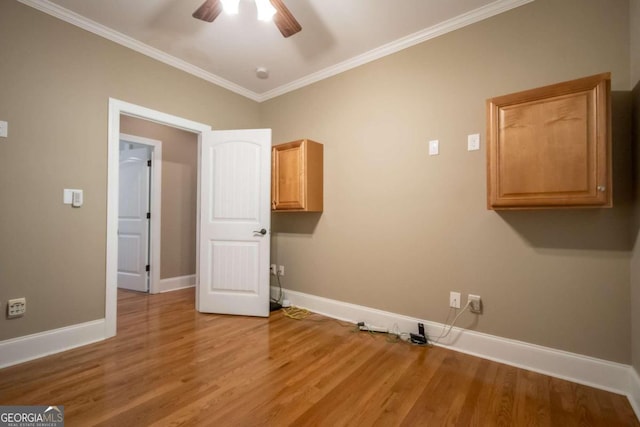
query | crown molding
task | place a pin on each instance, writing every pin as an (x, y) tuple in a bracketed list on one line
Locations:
[(460, 21), (87, 24)]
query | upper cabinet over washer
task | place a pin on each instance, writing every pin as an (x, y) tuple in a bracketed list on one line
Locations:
[(296, 177), (551, 147)]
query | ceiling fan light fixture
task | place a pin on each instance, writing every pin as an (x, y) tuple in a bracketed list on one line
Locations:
[(265, 10), (231, 6)]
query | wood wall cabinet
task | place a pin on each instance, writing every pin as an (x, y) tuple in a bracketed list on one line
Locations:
[(551, 147), (296, 176)]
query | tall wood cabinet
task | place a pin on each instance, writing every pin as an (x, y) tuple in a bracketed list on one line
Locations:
[(551, 147), (297, 176)]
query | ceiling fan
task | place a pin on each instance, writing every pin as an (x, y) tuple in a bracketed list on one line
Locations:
[(284, 20)]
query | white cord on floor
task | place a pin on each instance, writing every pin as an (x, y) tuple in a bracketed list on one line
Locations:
[(443, 334)]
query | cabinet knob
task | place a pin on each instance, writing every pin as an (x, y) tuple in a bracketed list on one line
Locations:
[(601, 188)]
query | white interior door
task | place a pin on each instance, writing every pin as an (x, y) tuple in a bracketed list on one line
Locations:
[(235, 215), (133, 224)]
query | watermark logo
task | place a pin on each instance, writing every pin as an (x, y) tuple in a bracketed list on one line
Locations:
[(31, 416)]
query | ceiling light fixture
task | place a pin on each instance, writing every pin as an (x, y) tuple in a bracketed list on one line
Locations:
[(265, 10), (231, 6)]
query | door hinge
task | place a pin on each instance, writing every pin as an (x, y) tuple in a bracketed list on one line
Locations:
[(147, 268), (148, 215), (149, 163)]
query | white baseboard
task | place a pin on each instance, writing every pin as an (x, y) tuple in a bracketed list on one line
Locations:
[(602, 374), (634, 391), (598, 373), (29, 347), (175, 283)]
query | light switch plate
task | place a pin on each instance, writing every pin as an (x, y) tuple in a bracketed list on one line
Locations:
[(68, 195), (434, 147), (473, 142), (4, 129)]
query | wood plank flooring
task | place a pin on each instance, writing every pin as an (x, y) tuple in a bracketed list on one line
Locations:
[(172, 366)]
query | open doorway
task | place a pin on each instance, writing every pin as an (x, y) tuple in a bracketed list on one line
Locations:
[(122, 110), (173, 218), (232, 215)]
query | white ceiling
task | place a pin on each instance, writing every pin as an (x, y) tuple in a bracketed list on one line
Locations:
[(336, 35)]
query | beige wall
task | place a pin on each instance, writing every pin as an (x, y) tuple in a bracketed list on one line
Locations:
[(635, 232), (635, 257), (179, 174), (401, 229), (56, 84), (634, 15)]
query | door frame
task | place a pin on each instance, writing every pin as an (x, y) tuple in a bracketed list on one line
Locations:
[(116, 108), (155, 206)]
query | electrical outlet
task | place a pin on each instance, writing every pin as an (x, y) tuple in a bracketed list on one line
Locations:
[(281, 270), (16, 307), (4, 129), (473, 142), (434, 147), (475, 304), (454, 299), (272, 270)]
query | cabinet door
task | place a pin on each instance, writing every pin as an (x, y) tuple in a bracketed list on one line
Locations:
[(550, 147), (288, 179)]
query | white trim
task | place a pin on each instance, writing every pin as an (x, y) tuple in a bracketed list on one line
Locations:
[(116, 108), (460, 21), (598, 373), (156, 206), (634, 391), (29, 347), (110, 34), (176, 283)]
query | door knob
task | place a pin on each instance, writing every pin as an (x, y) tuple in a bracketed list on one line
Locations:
[(261, 231)]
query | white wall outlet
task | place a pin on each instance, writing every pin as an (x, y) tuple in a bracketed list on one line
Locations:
[(272, 270), (473, 142), (454, 299), (281, 270), (4, 129), (434, 147), (475, 303), (16, 307)]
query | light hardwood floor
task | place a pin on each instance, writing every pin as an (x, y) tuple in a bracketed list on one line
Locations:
[(171, 366)]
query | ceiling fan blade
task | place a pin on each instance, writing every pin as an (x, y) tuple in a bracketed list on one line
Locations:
[(285, 21), (209, 10)]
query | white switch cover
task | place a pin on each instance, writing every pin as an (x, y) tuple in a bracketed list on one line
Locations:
[(454, 299), (68, 195), (473, 142), (434, 147), (4, 129)]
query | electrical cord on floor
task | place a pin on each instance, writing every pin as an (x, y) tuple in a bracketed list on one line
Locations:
[(296, 313), (393, 336), (455, 319), (280, 294)]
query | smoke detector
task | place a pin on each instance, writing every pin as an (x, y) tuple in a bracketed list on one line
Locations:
[(262, 73)]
